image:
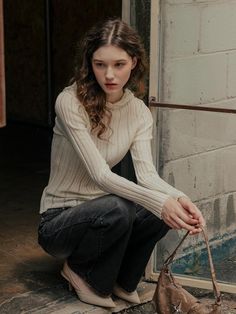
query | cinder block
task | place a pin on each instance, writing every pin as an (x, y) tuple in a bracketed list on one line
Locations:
[(179, 2), (181, 31), (176, 2), (195, 80), (218, 27), (205, 175), (228, 168), (232, 75), (187, 132), (195, 2)]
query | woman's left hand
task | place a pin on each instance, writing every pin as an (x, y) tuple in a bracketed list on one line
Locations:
[(193, 212)]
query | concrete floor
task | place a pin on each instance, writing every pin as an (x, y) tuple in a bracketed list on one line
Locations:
[(30, 280)]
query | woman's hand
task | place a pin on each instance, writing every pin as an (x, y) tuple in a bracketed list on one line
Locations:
[(182, 214)]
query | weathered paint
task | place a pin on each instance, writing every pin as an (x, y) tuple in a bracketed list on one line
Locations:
[(198, 149)]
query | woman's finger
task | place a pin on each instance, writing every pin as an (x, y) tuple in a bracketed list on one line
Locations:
[(184, 225), (173, 224)]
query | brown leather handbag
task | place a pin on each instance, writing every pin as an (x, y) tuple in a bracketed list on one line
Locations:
[(170, 297)]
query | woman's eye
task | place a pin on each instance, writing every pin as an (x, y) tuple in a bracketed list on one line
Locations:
[(119, 65), (99, 65)]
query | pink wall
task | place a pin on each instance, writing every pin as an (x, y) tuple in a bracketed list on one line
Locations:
[(2, 70)]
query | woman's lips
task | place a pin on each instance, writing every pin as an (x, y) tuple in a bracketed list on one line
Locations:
[(110, 85)]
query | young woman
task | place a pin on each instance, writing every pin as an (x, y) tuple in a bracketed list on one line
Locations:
[(103, 225)]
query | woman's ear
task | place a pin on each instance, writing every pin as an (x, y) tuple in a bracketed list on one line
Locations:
[(134, 62)]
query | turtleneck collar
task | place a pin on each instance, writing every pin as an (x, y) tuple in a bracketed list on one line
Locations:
[(127, 96)]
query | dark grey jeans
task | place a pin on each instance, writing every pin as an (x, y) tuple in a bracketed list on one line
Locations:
[(105, 240)]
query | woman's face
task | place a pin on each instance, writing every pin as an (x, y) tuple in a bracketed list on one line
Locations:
[(112, 68)]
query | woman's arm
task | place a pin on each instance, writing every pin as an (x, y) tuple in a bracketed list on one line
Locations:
[(141, 153), (72, 120), (178, 211), (75, 128)]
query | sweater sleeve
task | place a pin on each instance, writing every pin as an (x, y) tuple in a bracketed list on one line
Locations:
[(75, 127), (141, 153)]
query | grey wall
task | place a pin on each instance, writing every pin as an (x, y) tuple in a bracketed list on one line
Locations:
[(198, 67)]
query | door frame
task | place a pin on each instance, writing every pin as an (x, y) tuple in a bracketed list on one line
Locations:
[(2, 71), (154, 94), (125, 14)]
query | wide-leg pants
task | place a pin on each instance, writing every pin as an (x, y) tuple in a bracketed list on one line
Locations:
[(106, 240)]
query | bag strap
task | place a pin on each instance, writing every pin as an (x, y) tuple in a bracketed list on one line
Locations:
[(213, 274), (216, 289)]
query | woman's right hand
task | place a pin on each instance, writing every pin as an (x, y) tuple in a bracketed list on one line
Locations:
[(177, 217)]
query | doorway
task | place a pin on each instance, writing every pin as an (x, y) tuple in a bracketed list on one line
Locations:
[(40, 40)]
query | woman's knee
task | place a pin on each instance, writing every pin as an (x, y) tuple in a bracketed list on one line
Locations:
[(148, 222), (122, 211)]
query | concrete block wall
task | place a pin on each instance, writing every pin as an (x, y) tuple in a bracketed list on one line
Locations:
[(198, 149)]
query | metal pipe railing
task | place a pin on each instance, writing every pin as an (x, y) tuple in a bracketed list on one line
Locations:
[(153, 103)]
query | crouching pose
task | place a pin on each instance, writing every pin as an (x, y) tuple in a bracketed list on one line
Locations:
[(104, 226)]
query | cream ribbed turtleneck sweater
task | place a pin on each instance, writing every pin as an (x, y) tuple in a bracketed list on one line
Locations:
[(81, 163)]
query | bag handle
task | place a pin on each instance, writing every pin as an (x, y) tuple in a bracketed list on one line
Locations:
[(216, 289)]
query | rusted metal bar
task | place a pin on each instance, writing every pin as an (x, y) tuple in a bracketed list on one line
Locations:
[(190, 107)]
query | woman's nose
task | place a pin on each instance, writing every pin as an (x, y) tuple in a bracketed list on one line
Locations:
[(109, 73)]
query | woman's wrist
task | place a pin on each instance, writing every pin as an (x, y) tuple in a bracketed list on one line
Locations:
[(182, 197)]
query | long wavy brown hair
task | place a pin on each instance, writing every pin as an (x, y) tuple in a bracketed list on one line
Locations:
[(111, 32)]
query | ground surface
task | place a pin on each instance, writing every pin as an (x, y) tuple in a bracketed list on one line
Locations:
[(30, 280)]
